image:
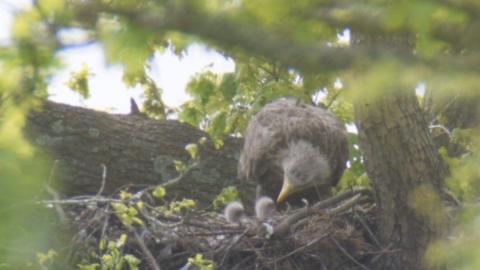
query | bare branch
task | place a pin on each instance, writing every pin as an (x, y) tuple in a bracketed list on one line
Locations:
[(151, 259), (104, 180), (61, 214), (354, 195)]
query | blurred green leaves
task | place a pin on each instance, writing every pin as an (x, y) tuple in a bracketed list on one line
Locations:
[(228, 194), (126, 43), (292, 42), (78, 81), (201, 263), (111, 256), (26, 64), (290, 18), (460, 251), (464, 177)]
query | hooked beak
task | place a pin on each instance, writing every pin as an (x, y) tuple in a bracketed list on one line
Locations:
[(287, 189)]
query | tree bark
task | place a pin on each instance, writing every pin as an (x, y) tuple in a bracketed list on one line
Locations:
[(407, 175), (136, 151)]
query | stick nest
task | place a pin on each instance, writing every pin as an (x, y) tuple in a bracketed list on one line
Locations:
[(337, 233)]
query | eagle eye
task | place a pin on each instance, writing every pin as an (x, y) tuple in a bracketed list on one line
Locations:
[(298, 175)]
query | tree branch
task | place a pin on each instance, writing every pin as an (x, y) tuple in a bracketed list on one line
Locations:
[(229, 32)]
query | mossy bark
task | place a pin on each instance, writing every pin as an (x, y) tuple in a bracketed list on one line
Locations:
[(136, 151), (407, 174)]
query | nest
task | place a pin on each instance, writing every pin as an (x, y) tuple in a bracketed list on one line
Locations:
[(337, 233)]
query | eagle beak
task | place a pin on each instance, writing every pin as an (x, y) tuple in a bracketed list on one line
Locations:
[(287, 189)]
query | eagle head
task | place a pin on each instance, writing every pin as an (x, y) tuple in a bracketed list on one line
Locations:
[(303, 166)]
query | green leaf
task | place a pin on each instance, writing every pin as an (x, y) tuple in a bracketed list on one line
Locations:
[(228, 194), (179, 166), (78, 81), (192, 149), (159, 192)]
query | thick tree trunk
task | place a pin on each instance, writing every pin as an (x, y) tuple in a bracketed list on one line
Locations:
[(407, 175), (135, 150)]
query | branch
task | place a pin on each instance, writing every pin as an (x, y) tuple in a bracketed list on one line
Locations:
[(311, 243), (283, 228), (61, 214), (104, 179), (175, 181), (81, 200), (150, 258), (229, 32), (334, 98), (342, 196), (369, 20), (441, 127)]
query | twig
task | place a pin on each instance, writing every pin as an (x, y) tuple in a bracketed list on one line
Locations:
[(284, 227), (83, 201), (61, 214), (104, 179), (342, 196), (234, 242), (286, 224), (157, 222), (382, 252), (150, 258), (346, 205), (170, 183), (450, 196), (445, 107), (311, 243), (443, 128), (146, 251), (350, 257), (367, 228), (178, 179), (260, 258), (105, 226), (335, 96)]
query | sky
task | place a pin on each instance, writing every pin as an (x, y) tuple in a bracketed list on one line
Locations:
[(108, 92)]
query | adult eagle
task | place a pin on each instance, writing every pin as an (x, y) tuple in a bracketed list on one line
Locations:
[(293, 151)]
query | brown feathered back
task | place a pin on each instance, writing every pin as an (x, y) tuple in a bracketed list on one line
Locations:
[(283, 123)]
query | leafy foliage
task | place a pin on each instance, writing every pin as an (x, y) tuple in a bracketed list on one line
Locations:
[(280, 48), (223, 103), (228, 194), (45, 259), (159, 192), (464, 179), (182, 206), (201, 263), (112, 257), (79, 81), (128, 214), (192, 149)]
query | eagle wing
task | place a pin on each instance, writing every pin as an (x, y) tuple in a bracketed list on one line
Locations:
[(260, 140)]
